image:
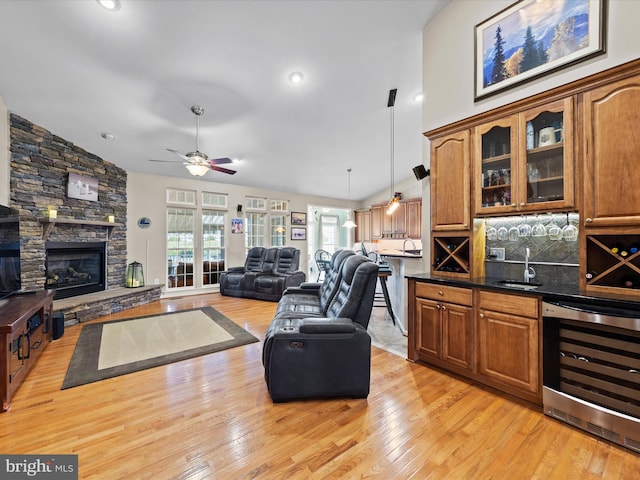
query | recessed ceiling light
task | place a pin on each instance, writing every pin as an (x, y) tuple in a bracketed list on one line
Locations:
[(112, 5), (296, 77), (418, 97), (108, 136)]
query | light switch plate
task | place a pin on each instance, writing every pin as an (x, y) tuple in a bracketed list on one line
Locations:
[(497, 253)]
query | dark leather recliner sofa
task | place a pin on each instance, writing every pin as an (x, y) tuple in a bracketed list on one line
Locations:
[(266, 274), (317, 345)]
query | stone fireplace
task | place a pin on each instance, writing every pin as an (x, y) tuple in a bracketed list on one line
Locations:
[(75, 268)]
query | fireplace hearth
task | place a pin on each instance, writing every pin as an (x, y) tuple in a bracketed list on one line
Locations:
[(75, 268)]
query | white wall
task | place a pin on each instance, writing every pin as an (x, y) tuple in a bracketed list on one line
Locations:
[(146, 198), (5, 163)]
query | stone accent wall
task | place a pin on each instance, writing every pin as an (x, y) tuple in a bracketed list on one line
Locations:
[(40, 167)]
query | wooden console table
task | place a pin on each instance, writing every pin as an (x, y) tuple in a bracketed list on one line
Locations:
[(25, 331)]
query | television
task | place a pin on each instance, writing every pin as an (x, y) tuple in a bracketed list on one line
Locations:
[(9, 251)]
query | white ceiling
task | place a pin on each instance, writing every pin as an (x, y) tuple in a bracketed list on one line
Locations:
[(78, 70)]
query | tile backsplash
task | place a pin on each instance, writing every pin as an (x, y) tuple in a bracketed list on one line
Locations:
[(554, 251)]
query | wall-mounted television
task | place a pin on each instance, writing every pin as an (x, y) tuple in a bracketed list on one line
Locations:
[(9, 251)]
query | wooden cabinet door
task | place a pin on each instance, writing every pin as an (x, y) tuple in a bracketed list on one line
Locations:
[(457, 335), (508, 350), (363, 226), (450, 189), (399, 221), (428, 328), (376, 222), (414, 219), (611, 195)]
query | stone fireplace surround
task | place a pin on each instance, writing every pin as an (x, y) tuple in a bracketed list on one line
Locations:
[(40, 167)]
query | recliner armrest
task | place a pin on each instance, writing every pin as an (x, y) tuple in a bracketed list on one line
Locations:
[(326, 325), (235, 270)]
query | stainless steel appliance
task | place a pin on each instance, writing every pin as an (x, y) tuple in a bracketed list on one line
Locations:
[(591, 368)]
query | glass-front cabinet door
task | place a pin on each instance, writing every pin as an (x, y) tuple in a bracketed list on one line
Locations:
[(496, 146), (524, 162), (547, 157)]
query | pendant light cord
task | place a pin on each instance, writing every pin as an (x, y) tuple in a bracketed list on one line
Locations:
[(392, 152)]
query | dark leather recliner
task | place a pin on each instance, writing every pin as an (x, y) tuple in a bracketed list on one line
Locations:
[(309, 353), (266, 274)]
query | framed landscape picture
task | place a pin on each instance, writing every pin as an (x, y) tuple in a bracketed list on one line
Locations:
[(298, 233), (298, 218), (532, 38)]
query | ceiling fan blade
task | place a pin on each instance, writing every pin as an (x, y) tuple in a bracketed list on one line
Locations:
[(164, 161), (220, 161), (184, 157), (223, 170)]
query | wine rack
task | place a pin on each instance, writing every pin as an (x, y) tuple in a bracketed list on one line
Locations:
[(613, 263), (451, 255)]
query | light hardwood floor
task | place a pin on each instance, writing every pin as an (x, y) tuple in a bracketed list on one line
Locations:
[(211, 418)]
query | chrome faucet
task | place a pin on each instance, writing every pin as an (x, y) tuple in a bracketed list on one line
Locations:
[(404, 245), (529, 272)]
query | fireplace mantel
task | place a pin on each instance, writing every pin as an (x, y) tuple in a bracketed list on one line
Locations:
[(49, 223)]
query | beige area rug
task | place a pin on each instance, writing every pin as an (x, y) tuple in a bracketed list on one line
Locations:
[(109, 349)]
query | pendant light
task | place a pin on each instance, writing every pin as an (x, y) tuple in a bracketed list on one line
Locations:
[(394, 203), (349, 223)]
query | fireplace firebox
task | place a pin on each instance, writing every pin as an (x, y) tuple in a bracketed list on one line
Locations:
[(75, 268)]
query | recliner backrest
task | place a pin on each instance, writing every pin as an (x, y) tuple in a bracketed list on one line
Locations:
[(253, 262), (288, 260), (269, 260), (329, 287), (356, 290)]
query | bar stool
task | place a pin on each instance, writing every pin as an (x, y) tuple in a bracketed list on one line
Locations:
[(383, 299)]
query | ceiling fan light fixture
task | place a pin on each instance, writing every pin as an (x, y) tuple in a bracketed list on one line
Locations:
[(197, 170)]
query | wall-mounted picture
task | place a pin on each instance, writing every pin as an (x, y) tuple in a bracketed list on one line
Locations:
[(237, 225), (532, 38), (298, 218), (298, 233), (82, 187)]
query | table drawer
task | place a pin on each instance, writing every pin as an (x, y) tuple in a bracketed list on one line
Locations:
[(523, 305), (446, 293)]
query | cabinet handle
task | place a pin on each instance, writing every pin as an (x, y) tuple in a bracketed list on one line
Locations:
[(588, 220), (440, 292), (522, 204), (481, 315), (438, 306), (444, 307), (513, 205)]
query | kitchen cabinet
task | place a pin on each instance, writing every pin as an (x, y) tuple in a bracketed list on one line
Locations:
[(363, 226), (376, 222), (524, 162), (611, 196), (509, 343), (405, 222), (25, 331), (450, 185), (414, 218), (442, 327)]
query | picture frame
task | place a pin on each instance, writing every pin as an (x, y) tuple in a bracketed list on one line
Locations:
[(82, 187), (237, 225), (298, 218), (533, 38), (298, 233)]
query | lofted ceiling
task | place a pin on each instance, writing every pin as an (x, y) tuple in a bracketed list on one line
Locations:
[(79, 70)]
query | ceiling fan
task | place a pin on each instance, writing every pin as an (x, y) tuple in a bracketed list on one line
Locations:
[(197, 162)]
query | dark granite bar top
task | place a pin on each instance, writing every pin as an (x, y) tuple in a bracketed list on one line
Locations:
[(550, 291)]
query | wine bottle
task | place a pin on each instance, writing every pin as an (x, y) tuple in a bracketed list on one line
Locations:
[(630, 281), (591, 275), (616, 248), (623, 252), (634, 248)]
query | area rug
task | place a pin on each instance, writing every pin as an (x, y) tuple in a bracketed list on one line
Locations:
[(110, 349)]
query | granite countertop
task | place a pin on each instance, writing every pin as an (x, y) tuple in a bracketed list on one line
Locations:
[(400, 253), (549, 290)]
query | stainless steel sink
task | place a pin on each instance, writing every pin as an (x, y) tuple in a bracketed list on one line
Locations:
[(413, 252), (518, 284)]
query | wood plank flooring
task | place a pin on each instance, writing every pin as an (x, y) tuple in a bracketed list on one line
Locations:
[(211, 418)]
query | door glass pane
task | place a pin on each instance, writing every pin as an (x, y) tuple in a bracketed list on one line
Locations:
[(496, 167), (254, 235), (213, 222), (330, 231), (278, 230), (180, 246), (545, 154)]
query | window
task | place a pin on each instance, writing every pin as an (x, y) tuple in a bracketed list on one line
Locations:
[(181, 197), (218, 200), (330, 232), (278, 230), (213, 252), (255, 203), (279, 205), (180, 246), (254, 235)]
